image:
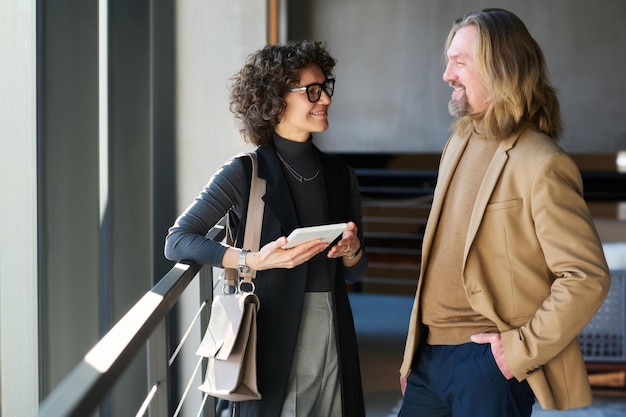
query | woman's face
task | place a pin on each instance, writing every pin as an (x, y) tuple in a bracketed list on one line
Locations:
[(301, 117)]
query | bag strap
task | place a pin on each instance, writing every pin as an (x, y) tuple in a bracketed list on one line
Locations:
[(256, 205), (254, 221)]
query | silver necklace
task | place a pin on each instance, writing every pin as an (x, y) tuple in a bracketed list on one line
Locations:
[(295, 174)]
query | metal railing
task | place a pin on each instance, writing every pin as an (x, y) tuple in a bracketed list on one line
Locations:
[(89, 383)]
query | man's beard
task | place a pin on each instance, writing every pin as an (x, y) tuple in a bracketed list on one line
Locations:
[(458, 108)]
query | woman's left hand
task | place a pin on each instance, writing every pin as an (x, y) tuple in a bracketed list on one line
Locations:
[(348, 244)]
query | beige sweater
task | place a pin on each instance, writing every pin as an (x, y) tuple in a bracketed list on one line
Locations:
[(445, 309)]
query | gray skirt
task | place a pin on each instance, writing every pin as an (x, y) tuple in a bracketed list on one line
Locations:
[(314, 388)]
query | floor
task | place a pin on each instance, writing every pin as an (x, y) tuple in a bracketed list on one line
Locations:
[(381, 322)]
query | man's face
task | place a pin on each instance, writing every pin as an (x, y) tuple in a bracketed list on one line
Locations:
[(469, 95)]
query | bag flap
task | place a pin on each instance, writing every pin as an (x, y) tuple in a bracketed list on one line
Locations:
[(224, 323)]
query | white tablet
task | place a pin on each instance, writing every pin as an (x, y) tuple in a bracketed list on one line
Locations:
[(327, 233)]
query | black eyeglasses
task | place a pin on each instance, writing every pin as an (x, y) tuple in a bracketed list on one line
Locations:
[(314, 91)]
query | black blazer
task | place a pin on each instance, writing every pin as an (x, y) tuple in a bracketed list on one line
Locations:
[(281, 291)]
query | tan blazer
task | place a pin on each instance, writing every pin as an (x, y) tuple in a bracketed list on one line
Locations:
[(533, 263)]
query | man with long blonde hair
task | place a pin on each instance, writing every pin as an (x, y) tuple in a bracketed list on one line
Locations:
[(512, 266)]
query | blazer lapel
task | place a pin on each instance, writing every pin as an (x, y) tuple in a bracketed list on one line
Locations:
[(490, 180), (449, 160), (277, 197)]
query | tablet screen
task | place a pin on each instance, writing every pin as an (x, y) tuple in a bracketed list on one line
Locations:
[(327, 233)]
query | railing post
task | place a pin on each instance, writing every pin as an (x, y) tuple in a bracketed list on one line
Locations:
[(158, 369), (206, 294)]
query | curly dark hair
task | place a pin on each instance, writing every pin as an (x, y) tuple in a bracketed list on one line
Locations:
[(257, 96)]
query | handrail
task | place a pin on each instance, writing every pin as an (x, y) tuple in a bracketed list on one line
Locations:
[(85, 387)]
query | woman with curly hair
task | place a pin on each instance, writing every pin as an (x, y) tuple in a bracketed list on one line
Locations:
[(307, 354)]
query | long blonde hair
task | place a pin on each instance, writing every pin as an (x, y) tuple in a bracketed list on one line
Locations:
[(515, 72)]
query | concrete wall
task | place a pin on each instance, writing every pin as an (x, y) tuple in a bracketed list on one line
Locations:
[(19, 251), (390, 96), (211, 46)]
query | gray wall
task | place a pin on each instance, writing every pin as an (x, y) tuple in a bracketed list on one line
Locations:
[(213, 41), (390, 96), (19, 371)]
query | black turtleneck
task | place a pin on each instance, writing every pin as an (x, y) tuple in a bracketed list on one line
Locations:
[(306, 188)]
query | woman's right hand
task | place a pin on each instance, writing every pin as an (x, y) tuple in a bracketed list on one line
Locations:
[(272, 255)]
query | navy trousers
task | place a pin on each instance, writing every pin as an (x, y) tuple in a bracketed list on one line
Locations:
[(462, 381)]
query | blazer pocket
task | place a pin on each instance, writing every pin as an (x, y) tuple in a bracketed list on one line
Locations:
[(502, 205)]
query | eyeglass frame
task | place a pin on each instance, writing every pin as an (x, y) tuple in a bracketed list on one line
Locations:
[(323, 86)]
